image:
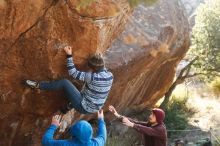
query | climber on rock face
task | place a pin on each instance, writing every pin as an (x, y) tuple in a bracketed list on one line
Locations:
[(81, 133), (154, 130), (92, 97)]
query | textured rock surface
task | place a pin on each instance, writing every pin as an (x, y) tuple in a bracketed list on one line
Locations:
[(143, 58)]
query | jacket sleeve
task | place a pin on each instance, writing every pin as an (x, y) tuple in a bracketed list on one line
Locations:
[(101, 133), (155, 131), (48, 137), (138, 122), (76, 74)]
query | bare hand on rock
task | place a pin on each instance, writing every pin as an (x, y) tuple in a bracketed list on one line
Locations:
[(68, 50)]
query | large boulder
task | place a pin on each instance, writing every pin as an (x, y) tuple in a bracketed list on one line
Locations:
[(143, 58)]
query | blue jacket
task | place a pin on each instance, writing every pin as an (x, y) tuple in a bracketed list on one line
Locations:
[(81, 133)]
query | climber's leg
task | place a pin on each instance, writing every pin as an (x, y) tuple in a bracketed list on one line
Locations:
[(72, 93), (55, 85)]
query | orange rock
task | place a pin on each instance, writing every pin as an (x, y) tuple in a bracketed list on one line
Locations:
[(33, 33)]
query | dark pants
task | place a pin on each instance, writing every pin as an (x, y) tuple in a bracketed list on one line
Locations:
[(71, 92)]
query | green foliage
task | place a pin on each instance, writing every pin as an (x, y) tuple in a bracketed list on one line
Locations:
[(178, 114), (215, 86), (206, 38), (134, 3)]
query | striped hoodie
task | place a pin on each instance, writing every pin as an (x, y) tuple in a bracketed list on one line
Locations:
[(97, 86)]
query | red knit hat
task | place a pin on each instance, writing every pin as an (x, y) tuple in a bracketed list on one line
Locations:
[(160, 115)]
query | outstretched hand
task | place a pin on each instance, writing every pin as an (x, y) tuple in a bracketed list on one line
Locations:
[(113, 110), (56, 120), (68, 50)]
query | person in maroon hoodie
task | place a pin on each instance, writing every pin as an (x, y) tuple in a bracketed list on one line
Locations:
[(154, 130)]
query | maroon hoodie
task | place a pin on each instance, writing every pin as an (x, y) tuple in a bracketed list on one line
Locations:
[(153, 135)]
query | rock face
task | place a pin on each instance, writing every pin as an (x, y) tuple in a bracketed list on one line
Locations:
[(143, 58), (145, 55)]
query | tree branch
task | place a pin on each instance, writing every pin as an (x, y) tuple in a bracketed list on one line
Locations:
[(187, 67)]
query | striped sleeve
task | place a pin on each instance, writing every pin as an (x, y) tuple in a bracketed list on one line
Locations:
[(79, 75)]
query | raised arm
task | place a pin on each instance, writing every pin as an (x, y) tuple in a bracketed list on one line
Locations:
[(138, 122), (80, 75), (113, 110), (48, 136), (101, 133)]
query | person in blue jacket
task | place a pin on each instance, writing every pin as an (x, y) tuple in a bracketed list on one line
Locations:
[(81, 132)]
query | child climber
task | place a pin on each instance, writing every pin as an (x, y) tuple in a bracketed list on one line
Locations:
[(98, 82)]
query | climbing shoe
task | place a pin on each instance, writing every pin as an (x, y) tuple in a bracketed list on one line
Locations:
[(32, 84)]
